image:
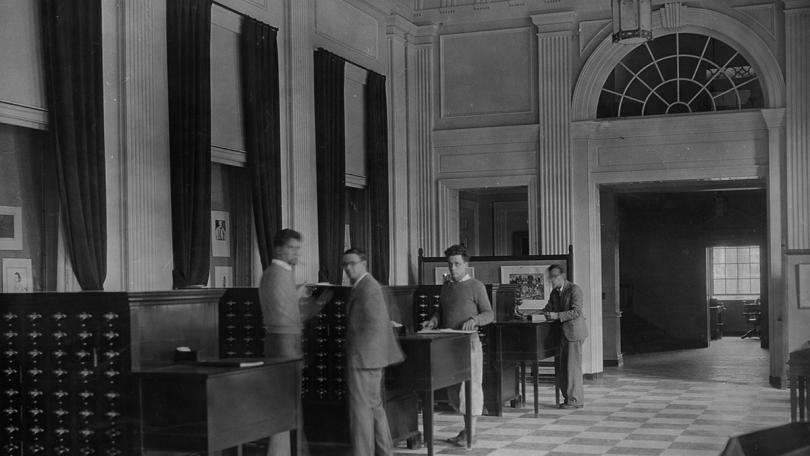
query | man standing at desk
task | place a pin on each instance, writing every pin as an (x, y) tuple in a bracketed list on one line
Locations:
[(284, 309), (565, 305), (464, 304), (370, 347)]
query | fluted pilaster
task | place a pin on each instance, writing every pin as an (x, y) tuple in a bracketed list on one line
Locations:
[(303, 203), (398, 29), (554, 48), (424, 227), (797, 157), (145, 144)]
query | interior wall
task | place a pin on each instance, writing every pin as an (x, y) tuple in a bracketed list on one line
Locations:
[(663, 242), (28, 181)]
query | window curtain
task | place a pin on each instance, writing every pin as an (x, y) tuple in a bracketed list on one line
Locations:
[(259, 72), (188, 36), (72, 47), (377, 166), (330, 142)]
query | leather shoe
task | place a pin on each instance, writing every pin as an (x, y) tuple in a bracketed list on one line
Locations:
[(568, 405), (460, 440)]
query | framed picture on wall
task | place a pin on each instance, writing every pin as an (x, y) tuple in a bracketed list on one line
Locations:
[(17, 275), (533, 284), (442, 274), (220, 234), (11, 228), (223, 277)]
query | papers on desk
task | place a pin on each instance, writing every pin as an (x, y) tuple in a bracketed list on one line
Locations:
[(537, 318), (447, 331), (232, 362)]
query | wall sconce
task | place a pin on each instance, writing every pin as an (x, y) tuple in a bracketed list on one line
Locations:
[(632, 21)]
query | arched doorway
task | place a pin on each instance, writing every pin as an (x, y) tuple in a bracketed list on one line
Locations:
[(671, 147)]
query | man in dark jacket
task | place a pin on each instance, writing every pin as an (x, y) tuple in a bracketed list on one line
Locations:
[(370, 346), (565, 305)]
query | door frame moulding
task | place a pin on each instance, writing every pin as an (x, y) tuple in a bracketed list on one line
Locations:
[(448, 195)]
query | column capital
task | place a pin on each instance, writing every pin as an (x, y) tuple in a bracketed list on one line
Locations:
[(559, 21), (797, 6), (774, 117), (396, 25)]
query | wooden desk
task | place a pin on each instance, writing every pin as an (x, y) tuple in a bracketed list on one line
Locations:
[(435, 361), (799, 373), (193, 408), (524, 341)]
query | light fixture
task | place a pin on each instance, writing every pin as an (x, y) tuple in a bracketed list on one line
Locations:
[(632, 21)]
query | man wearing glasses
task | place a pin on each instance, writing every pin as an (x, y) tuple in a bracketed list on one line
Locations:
[(370, 346), (565, 305)]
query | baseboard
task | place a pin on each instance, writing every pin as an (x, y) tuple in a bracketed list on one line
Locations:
[(594, 376), (613, 362)]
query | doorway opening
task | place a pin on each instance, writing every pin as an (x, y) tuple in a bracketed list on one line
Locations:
[(666, 277), (494, 220)]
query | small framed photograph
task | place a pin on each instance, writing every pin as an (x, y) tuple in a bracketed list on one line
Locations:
[(804, 285), (220, 234), (11, 228), (223, 277), (442, 274), (17, 275), (533, 284)]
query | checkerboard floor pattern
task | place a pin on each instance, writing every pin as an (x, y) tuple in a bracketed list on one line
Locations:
[(624, 415)]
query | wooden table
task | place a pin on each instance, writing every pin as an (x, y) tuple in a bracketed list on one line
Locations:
[(195, 408), (525, 341), (435, 361)]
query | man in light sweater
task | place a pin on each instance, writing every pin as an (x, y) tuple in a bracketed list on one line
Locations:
[(464, 304), (285, 307)]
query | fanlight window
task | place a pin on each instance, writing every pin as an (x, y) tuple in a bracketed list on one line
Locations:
[(680, 73)]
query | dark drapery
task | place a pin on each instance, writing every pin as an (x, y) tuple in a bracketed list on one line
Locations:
[(330, 143), (72, 45), (259, 70), (377, 166), (188, 36)]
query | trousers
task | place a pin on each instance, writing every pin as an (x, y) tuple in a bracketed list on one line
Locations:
[(456, 392), (287, 346), (370, 433), (571, 371)]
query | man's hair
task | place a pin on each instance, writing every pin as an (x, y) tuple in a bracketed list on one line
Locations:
[(358, 252), (457, 249), (282, 237), (557, 267)]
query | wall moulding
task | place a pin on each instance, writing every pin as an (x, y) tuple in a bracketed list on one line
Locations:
[(23, 116), (355, 29)]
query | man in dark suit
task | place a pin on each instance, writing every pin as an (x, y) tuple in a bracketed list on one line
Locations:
[(370, 346), (565, 305)]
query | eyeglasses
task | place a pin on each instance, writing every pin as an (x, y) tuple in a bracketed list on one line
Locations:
[(352, 263)]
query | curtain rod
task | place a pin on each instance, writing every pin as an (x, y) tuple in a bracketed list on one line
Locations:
[(349, 61), (226, 7)]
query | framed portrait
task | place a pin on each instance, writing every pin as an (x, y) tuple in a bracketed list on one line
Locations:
[(442, 274), (533, 284), (220, 234), (11, 228), (223, 276), (17, 275)]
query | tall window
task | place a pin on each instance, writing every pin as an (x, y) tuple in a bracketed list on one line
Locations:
[(735, 272)]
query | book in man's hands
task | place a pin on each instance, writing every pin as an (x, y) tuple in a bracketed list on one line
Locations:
[(232, 362)]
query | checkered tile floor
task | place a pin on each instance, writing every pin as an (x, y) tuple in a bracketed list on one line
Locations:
[(625, 415)]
